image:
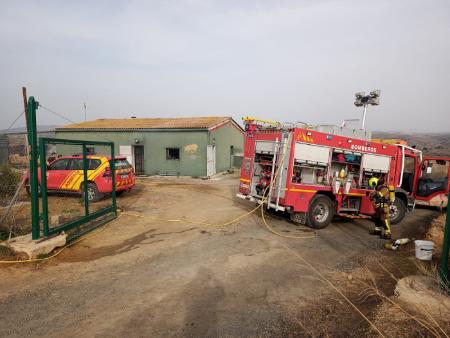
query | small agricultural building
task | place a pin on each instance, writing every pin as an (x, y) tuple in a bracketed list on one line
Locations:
[(195, 146)]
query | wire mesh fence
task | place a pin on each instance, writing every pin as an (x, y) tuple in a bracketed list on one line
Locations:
[(15, 217)]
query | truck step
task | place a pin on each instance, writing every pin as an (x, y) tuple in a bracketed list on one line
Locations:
[(353, 216), (350, 210)]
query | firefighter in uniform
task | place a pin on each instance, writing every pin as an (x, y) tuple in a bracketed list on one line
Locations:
[(383, 196)]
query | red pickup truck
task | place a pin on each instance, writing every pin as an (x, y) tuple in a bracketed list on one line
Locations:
[(65, 174)]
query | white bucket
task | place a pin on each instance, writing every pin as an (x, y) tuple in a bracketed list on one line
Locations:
[(424, 250)]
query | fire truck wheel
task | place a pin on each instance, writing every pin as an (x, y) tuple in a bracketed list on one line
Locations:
[(298, 217), (320, 212), (397, 211)]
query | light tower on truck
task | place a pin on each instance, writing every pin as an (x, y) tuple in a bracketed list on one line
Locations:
[(363, 100)]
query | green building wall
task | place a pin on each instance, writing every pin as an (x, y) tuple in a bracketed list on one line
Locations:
[(192, 145), (229, 141)]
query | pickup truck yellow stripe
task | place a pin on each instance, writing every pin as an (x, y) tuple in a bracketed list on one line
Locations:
[(75, 178), (68, 180)]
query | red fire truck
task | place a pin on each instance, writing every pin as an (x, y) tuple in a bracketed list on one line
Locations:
[(314, 173)]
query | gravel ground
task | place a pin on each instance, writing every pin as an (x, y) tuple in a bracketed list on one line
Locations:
[(141, 277)]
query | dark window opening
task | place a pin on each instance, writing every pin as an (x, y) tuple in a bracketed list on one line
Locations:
[(76, 164), (121, 164), (434, 177), (173, 153), (59, 164), (408, 174), (93, 164)]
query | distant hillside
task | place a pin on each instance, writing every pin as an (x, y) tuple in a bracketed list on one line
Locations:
[(430, 143), (23, 129)]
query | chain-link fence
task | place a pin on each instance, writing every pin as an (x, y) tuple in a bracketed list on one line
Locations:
[(15, 217)]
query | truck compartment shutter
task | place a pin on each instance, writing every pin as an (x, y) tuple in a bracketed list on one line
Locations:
[(308, 153), (376, 163), (265, 147)]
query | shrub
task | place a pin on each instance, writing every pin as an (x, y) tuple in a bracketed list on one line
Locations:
[(9, 179)]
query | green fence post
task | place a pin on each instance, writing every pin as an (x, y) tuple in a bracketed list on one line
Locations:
[(443, 269), (85, 181), (34, 182), (113, 173), (44, 215)]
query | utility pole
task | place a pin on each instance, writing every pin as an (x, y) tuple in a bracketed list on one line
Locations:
[(84, 105), (25, 109), (24, 94)]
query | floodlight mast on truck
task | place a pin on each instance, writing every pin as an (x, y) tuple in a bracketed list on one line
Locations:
[(363, 100), (315, 172)]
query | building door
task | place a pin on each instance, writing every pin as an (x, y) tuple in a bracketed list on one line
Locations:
[(211, 160), (139, 160), (128, 152)]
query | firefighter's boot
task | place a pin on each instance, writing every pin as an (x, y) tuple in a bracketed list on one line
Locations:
[(377, 231)]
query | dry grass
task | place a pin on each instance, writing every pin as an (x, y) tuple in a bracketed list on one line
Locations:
[(371, 289), (395, 323), (436, 233)]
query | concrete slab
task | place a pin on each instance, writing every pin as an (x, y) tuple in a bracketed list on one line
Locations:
[(35, 248), (423, 293)]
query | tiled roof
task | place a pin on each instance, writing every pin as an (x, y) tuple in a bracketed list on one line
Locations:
[(150, 123)]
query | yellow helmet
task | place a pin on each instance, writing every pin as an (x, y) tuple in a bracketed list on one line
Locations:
[(373, 182)]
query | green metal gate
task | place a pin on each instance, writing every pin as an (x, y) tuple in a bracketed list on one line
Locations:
[(91, 210), (72, 186)]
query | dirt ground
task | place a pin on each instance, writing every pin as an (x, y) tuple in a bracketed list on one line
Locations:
[(144, 277)]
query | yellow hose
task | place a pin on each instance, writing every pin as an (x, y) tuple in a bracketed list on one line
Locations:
[(235, 220)]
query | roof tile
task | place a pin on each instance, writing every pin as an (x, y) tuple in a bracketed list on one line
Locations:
[(149, 123)]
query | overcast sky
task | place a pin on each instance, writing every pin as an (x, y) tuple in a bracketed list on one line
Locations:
[(281, 60)]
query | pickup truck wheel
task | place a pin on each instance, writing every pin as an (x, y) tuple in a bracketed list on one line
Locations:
[(320, 212), (93, 194), (397, 211), (28, 189)]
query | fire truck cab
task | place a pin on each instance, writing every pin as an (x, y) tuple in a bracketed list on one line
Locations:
[(433, 184), (314, 173)]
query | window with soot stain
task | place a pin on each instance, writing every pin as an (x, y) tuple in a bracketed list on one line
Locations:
[(172, 153)]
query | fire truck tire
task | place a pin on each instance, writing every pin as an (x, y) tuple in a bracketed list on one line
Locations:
[(93, 194), (320, 212), (298, 217), (397, 211)]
